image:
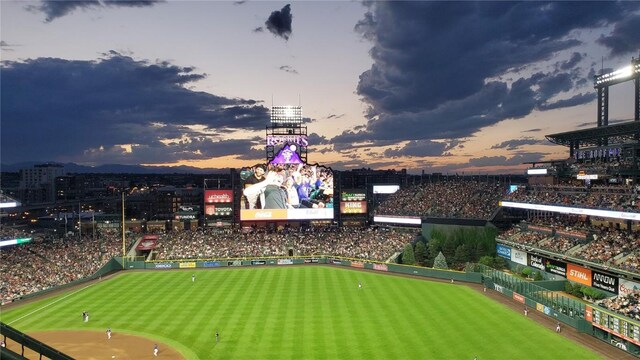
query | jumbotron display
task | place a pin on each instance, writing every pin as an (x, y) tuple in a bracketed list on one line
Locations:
[(286, 189)]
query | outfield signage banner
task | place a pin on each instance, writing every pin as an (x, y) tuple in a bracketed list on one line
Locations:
[(572, 234), (604, 282), (311, 261), (381, 267), (357, 264), (498, 288), (258, 262), (588, 313), (285, 261), (503, 251), (556, 267), (519, 298), (539, 229), (519, 257), (626, 287), (163, 266), (187, 265), (536, 262), (234, 263), (211, 264), (579, 274)]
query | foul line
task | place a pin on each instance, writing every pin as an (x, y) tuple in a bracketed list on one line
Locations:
[(46, 306)]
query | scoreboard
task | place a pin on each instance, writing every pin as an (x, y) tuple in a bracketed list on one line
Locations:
[(615, 324)]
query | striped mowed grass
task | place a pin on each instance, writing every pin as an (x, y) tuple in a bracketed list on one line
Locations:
[(309, 312)]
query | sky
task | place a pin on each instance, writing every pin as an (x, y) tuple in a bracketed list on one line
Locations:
[(425, 86)]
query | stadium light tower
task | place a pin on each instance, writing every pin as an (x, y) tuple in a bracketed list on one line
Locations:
[(286, 115), (286, 129), (604, 81)]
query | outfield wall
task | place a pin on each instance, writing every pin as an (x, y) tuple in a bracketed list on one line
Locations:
[(329, 260)]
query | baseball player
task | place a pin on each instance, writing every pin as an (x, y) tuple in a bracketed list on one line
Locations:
[(109, 333), (193, 278), (155, 349)]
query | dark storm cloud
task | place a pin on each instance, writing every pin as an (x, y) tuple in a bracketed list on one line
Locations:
[(578, 99), (533, 130), (93, 106), (417, 148), (315, 139), (624, 39), (516, 143), (437, 66), (54, 9), (576, 57), (279, 22), (518, 159)]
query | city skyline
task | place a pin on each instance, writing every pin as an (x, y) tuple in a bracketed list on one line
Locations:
[(436, 86)]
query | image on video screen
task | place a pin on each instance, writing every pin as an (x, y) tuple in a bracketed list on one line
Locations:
[(293, 191)]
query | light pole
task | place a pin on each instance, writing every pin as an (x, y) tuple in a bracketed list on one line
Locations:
[(123, 228)]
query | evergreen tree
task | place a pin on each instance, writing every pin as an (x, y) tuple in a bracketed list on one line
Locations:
[(408, 257), (440, 262), (449, 248), (487, 261), (421, 253), (463, 255)]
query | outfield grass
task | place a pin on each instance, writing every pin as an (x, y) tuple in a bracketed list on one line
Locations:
[(309, 312)]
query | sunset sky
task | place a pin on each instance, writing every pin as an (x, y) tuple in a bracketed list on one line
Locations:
[(435, 86)]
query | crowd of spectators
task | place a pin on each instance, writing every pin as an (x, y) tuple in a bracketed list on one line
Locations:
[(456, 198), (631, 263), (628, 305), (45, 262), (613, 247), (609, 243), (367, 243)]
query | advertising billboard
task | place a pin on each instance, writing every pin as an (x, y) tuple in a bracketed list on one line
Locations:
[(518, 256), (218, 196), (385, 189), (503, 251), (604, 282), (579, 274), (353, 202), (353, 207), (286, 189), (221, 209), (556, 267)]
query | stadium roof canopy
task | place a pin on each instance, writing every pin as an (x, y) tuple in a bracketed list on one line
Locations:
[(624, 132)]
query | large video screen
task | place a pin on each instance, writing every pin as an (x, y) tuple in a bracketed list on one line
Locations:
[(286, 190)]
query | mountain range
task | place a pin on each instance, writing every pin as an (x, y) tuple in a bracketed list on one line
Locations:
[(72, 168)]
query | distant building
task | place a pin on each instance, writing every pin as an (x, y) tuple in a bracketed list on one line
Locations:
[(38, 184)]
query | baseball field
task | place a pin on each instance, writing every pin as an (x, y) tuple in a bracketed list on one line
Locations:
[(309, 312)]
